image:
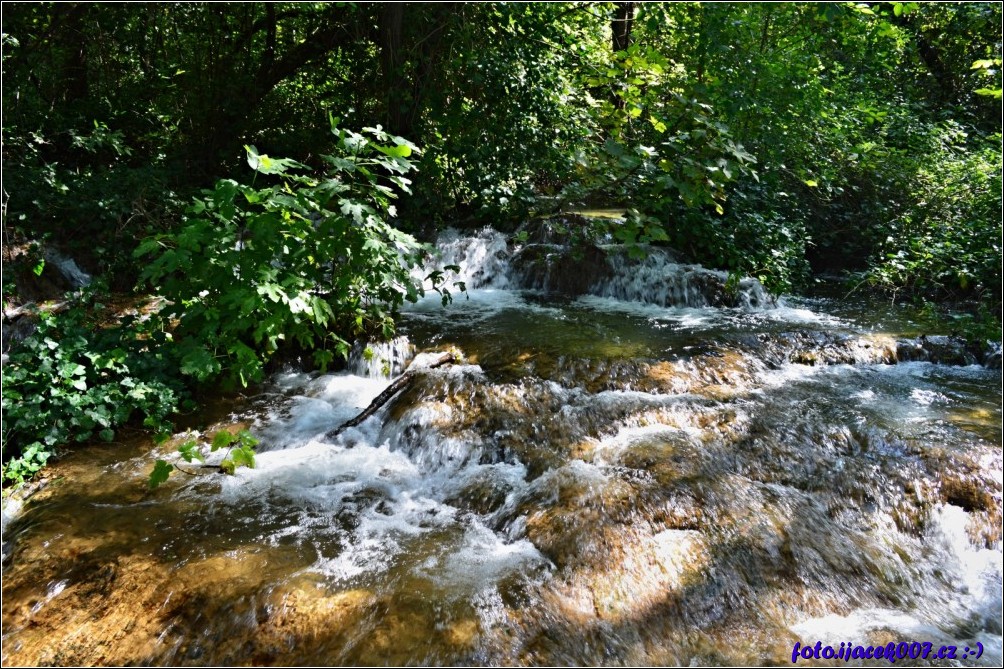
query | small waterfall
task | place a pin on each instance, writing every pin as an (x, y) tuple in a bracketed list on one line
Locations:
[(486, 260), (483, 258), (659, 279), (68, 268), (381, 359)]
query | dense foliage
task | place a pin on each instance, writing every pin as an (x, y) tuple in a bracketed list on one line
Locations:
[(75, 379), (310, 260), (779, 140)]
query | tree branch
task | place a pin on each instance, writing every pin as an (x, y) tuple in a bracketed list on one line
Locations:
[(393, 389), (323, 40)]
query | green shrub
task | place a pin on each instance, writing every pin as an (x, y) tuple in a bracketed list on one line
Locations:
[(81, 190), (310, 261), (72, 381), (946, 240)]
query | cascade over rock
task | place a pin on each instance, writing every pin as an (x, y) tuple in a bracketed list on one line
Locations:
[(381, 359), (488, 260), (622, 455)]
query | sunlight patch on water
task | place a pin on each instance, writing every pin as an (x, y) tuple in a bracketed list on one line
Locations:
[(855, 627), (480, 557), (683, 317), (926, 397)]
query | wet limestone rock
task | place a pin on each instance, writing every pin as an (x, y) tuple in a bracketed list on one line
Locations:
[(561, 269), (937, 349)]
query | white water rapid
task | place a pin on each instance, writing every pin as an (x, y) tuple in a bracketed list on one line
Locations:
[(641, 464)]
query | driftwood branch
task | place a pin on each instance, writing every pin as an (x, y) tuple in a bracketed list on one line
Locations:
[(399, 384)]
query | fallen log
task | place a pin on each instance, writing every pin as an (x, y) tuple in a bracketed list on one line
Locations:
[(399, 384)]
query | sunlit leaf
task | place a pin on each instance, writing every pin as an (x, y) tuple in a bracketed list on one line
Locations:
[(161, 471), (221, 439), (189, 450)]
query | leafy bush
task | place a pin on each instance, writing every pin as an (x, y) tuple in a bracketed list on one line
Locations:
[(946, 240), (753, 238), (676, 163), (72, 381), (86, 178), (310, 261)]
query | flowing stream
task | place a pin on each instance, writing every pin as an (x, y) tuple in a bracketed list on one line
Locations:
[(635, 462)]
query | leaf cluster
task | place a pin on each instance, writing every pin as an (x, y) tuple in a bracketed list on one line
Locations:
[(310, 260), (74, 381), (240, 453)]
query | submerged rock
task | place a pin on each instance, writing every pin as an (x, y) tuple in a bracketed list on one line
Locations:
[(938, 349)]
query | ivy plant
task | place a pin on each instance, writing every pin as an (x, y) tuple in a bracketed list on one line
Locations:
[(73, 381)]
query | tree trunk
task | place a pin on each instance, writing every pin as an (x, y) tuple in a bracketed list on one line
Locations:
[(621, 25), (392, 61), (621, 28)]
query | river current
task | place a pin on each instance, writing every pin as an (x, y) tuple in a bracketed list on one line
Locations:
[(633, 461)]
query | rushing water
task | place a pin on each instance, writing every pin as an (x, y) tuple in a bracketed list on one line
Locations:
[(629, 475)]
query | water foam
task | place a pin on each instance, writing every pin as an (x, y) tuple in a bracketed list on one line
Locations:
[(375, 493), (483, 258), (967, 599), (68, 267), (659, 279)]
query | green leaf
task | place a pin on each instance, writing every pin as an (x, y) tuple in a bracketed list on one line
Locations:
[(260, 162), (989, 92), (198, 362), (107, 434), (189, 450), (161, 471), (400, 151), (323, 358), (247, 439), (272, 291), (986, 64), (342, 165), (243, 457), (222, 439)]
